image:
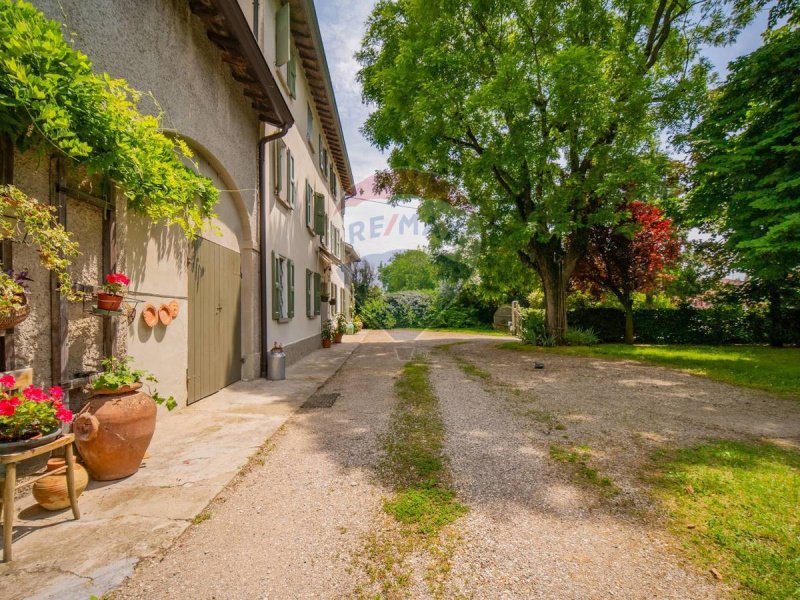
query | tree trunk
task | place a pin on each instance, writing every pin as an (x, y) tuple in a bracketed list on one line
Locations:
[(628, 305), (554, 283), (775, 319)]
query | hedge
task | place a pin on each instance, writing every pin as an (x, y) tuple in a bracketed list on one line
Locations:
[(687, 325)]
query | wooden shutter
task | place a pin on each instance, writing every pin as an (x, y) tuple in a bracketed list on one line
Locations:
[(276, 287), (291, 75), (319, 214), (283, 38), (291, 188), (317, 293), (290, 283), (309, 294), (278, 157), (309, 205)]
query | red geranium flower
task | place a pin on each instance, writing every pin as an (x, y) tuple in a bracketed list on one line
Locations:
[(117, 278), (35, 394), (7, 409), (56, 392), (64, 414), (8, 381)]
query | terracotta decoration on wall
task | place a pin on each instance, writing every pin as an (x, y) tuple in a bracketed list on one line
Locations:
[(150, 315), (174, 307), (165, 314)]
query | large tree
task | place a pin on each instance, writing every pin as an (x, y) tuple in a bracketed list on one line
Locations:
[(539, 112), (409, 270), (628, 258), (747, 177)]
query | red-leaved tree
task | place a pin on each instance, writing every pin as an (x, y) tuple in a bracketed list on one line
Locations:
[(628, 258)]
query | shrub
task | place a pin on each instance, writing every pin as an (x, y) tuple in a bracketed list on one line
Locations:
[(577, 336), (376, 314), (410, 308), (532, 328)]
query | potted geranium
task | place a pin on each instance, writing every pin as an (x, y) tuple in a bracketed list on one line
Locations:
[(341, 328), (14, 307), (112, 295), (30, 417), (327, 334), (116, 426)]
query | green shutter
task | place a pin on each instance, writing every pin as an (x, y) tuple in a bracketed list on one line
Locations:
[(309, 295), (291, 75), (290, 186), (278, 168), (317, 293), (283, 38), (319, 214), (276, 287), (309, 205), (290, 283)]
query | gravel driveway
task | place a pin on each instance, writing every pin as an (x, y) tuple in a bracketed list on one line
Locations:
[(293, 523)]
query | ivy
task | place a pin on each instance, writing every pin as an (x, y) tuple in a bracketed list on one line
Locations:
[(50, 98)]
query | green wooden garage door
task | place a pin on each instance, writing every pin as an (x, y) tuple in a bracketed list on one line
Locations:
[(215, 355)]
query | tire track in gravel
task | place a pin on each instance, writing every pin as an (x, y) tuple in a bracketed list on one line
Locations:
[(532, 532)]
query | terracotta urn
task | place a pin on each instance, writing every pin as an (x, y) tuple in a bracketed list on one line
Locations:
[(108, 301), (113, 432), (51, 492)]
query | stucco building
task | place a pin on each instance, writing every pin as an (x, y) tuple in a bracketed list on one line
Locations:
[(264, 127)]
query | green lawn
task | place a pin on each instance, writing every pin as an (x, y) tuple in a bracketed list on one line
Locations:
[(774, 370), (734, 507), (472, 330)]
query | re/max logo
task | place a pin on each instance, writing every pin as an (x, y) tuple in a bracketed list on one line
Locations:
[(381, 226)]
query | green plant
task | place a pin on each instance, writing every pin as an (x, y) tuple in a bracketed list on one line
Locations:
[(341, 324), (376, 315), (52, 99), (532, 326), (117, 372), (116, 283), (27, 220), (30, 412), (577, 336), (328, 332), (358, 323)]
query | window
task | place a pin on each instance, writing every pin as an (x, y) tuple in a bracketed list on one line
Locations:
[(319, 214), (323, 157), (291, 184), (317, 293), (282, 288), (334, 184), (283, 41), (277, 157), (310, 126), (309, 206)]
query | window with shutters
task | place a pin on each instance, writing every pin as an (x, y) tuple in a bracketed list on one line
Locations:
[(282, 288), (309, 207), (317, 294), (323, 157), (291, 184), (310, 126), (291, 74), (319, 214), (309, 294), (278, 159)]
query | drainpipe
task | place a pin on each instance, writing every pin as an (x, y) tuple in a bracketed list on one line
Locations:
[(262, 238)]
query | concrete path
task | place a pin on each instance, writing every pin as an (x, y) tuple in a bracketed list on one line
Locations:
[(195, 453)]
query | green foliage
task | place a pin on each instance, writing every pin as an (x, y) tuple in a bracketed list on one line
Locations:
[(375, 314), (771, 369), (535, 117), (341, 324), (328, 331), (532, 326), (410, 309), (363, 283), (409, 270), (117, 372), (51, 99), (577, 336), (579, 457), (23, 218), (742, 501), (724, 324)]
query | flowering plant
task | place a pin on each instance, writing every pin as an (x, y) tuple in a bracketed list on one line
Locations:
[(116, 283), (341, 324), (117, 372), (31, 412), (328, 332)]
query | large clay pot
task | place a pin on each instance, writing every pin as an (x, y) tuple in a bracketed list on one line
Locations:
[(113, 433), (51, 492)]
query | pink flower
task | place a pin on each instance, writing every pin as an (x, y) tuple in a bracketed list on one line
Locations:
[(8, 381), (35, 394), (64, 414), (117, 278), (56, 393), (7, 409), (14, 401)]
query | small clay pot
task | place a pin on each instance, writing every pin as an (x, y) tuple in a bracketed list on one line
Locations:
[(108, 301), (51, 492), (165, 314), (338, 338), (149, 315), (326, 343), (174, 307)]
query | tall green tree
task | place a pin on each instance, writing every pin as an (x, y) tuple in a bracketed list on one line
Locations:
[(409, 270), (540, 112), (747, 176)]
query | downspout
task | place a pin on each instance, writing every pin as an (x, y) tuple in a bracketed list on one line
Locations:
[(262, 238)]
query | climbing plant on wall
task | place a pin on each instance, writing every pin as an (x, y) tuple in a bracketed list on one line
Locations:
[(52, 100)]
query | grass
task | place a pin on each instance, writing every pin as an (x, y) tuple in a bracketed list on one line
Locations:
[(423, 504), (469, 369), (201, 517), (579, 458), (734, 506), (775, 370), (471, 330)]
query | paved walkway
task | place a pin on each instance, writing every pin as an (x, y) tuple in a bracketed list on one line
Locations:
[(195, 453)]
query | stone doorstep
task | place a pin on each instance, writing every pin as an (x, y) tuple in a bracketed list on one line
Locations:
[(194, 454)]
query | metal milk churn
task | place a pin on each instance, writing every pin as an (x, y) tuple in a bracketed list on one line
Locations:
[(276, 363)]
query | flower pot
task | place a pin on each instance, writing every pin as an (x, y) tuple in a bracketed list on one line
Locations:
[(51, 492), (113, 433), (108, 301), (34, 442), (16, 316), (123, 389), (327, 343), (337, 339)]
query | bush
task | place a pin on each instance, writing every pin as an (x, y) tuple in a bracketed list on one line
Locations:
[(410, 309), (375, 314), (577, 336), (532, 328)]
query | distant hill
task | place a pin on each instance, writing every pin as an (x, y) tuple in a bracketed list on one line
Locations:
[(384, 257)]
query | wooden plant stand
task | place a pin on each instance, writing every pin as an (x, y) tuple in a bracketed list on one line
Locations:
[(11, 460)]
